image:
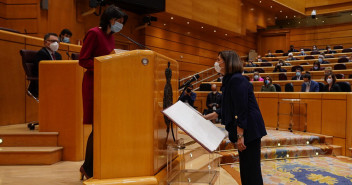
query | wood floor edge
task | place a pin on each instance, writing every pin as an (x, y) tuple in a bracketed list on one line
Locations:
[(146, 180)]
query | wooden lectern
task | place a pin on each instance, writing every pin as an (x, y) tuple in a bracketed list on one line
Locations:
[(130, 137)]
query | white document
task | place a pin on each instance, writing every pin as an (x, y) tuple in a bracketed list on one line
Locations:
[(192, 122)]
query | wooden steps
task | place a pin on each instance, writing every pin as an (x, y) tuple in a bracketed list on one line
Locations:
[(30, 155), (20, 146)]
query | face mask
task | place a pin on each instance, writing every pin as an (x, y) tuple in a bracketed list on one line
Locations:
[(217, 67), (314, 48), (329, 49), (54, 46), (320, 60), (302, 52), (117, 27), (66, 40), (256, 77), (269, 53), (298, 74), (259, 60), (315, 67), (267, 82), (329, 80)]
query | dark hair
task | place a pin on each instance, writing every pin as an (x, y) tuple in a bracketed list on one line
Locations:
[(66, 31), (307, 75), (233, 63), (46, 36), (270, 79), (291, 46), (333, 77), (111, 12), (318, 63)]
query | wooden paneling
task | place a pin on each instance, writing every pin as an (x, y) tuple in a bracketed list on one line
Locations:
[(297, 5), (28, 11), (272, 43)]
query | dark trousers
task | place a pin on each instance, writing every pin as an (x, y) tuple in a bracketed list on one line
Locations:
[(88, 162), (251, 173)]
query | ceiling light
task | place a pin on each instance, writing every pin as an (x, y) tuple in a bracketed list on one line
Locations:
[(323, 21), (188, 33), (260, 1), (214, 30), (286, 17), (271, 6), (275, 17), (172, 17), (280, 11), (299, 22), (202, 27), (164, 24), (187, 22), (225, 34), (252, 9), (294, 16)]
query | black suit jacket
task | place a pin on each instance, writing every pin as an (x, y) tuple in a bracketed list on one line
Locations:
[(295, 77), (334, 88), (42, 54)]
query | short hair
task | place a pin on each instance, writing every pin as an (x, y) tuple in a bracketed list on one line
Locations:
[(307, 75), (270, 79), (233, 63), (291, 46), (111, 12), (298, 68), (333, 76), (46, 36), (318, 63), (66, 31)]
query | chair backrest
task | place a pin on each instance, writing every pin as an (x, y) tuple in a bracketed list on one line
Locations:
[(289, 87), (315, 52), (342, 60), (338, 47), (304, 63), (9, 29), (266, 64), (347, 50), (28, 58), (285, 54), (308, 57), (275, 59), (340, 76), (339, 66), (307, 49), (279, 51), (277, 87), (264, 60), (350, 76), (282, 76), (74, 56), (321, 86), (293, 69), (329, 56), (260, 70), (205, 87), (345, 86)]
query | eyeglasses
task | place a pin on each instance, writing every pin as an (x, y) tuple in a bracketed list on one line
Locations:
[(53, 41)]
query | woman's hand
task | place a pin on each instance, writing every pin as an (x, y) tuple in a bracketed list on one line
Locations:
[(211, 116), (240, 141)]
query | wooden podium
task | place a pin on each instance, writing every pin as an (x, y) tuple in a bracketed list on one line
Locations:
[(130, 138)]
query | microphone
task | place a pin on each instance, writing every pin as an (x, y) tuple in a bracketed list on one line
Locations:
[(135, 42), (194, 78)]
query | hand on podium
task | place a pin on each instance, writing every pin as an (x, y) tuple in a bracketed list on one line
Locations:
[(211, 116)]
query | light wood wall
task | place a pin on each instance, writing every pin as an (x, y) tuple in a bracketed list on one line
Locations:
[(305, 37)]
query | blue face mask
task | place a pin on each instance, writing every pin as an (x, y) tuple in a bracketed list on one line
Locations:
[(320, 60), (298, 73), (117, 27), (66, 40), (267, 82)]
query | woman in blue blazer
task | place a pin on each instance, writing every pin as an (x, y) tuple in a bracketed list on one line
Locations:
[(241, 116)]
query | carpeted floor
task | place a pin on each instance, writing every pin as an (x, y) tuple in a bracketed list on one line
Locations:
[(317, 170)]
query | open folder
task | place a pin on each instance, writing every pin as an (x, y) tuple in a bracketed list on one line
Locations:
[(192, 122)]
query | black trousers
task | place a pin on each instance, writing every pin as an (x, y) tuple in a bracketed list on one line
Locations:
[(88, 162), (251, 173)]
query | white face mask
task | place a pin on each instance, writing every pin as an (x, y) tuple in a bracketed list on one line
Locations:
[(217, 67), (117, 27), (329, 80), (54, 46)]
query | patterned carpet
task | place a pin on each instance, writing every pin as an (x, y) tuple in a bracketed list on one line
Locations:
[(317, 170)]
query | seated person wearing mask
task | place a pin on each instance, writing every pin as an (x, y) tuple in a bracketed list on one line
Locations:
[(316, 67), (321, 60), (314, 48), (331, 85), (290, 57), (213, 100), (309, 85), (298, 75), (283, 63), (259, 58), (65, 35), (292, 49), (270, 54), (250, 64), (278, 68), (188, 96), (302, 53), (329, 51), (48, 52), (268, 85), (256, 77)]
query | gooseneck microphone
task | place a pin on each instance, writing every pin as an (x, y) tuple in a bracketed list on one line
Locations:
[(135, 42), (194, 78)]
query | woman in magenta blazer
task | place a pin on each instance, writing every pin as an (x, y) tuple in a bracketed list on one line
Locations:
[(99, 41)]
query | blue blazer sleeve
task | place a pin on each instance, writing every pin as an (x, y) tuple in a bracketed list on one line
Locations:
[(239, 98), (315, 87), (303, 89)]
